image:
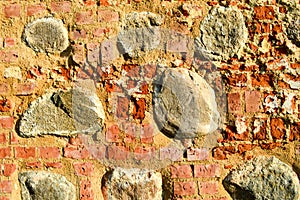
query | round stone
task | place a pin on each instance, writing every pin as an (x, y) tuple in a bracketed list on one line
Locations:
[(223, 32), (184, 104), (46, 35)]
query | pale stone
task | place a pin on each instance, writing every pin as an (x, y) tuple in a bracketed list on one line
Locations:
[(184, 104), (263, 178), (132, 184), (12, 72), (46, 35), (223, 33), (63, 113), (37, 185), (292, 27)]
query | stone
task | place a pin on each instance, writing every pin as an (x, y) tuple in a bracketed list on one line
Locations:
[(12, 72), (263, 178), (133, 184), (36, 185), (292, 26), (63, 113), (140, 32), (46, 35), (223, 33), (184, 104)]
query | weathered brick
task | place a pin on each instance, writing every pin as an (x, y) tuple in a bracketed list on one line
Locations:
[(108, 16), (264, 12), (9, 169), (117, 152), (83, 18), (61, 7), (6, 105), (34, 165), (12, 10), (49, 152), (234, 102), (237, 80), (122, 111), (86, 191), (278, 129), (2, 138), (24, 89), (144, 153), (84, 169), (185, 188), (262, 80), (220, 153), (5, 152), (242, 148), (252, 101), (35, 9), (25, 152), (171, 153), (181, 171), (194, 154), (139, 109), (5, 186), (53, 165), (207, 171), (6, 122), (9, 42), (4, 89), (113, 134), (208, 188), (295, 132), (77, 152)]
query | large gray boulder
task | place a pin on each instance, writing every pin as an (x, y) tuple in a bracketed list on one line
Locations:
[(46, 35), (132, 184), (223, 32), (184, 104), (37, 185), (263, 179)]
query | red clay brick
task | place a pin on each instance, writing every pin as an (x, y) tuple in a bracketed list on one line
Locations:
[(24, 89), (208, 188), (53, 164), (83, 18), (12, 10), (35, 9), (49, 152), (117, 152), (6, 105), (108, 16), (9, 42), (171, 153), (264, 12), (144, 153), (2, 138), (113, 134), (24, 152), (295, 132), (9, 169), (5, 186), (76, 152), (6, 122), (234, 102), (194, 154), (122, 107), (4, 89), (262, 80), (252, 101), (139, 109), (237, 80), (61, 7), (181, 171), (278, 129), (220, 153), (34, 165), (86, 191), (207, 171), (5, 152), (185, 188), (84, 169)]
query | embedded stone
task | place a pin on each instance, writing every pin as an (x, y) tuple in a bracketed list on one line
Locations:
[(12, 72), (223, 33), (46, 35), (132, 184), (263, 178), (184, 104), (63, 113), (292, 27), (36, 185), (140, 32)]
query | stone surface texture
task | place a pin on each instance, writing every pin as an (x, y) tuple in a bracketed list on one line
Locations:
[(223, 32), (37, 185), (184, 104), (140, 32), (46, 35), (263, 178), (292, 27), (63, 113), (132, 184)]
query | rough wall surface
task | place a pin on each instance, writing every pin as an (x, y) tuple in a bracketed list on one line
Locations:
[(79, 83)]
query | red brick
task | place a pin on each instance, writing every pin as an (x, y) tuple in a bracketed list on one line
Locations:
[(12, 10), (6, 122), (234, 102), (181, 171), (97, 151), (237, 80), (264, 12), (149, 70), (9, 42), (78, 34), (262, 80), (117, 152), (207, 171), (208, 188), (185, 188), (86, 191), (9, 169), (49, 152), (242, 148), (139, 109), (260, 131), (277, 128), (8, 56), (35, 9), (5, 152), (194, 154), (122, 107), (113, 134), (104, 3), (4, 89), (78, 152), (13, 138), (24, 89), (132, 70), (252, 101), (53, 164), (270, 146), (220, 153), (295, 132), (147, 133), (24, 152), (144, 153), (295, 65), (100, 31), (84, 169), (5, 186), (108, 16), (4, 198), (89, 2), (231, 133), (6, 105), (2, 138), (61, 7), (171, 153), (83, 18), (34, 165)]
